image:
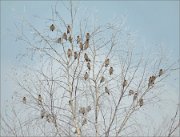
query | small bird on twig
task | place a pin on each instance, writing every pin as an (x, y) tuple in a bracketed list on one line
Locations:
[(52, 27), (82, 110), (102, 79), (107, 90), (131, 92), (135, 96), (141, 102), (86, 76), (39, 99), (68, 29), (86, 45), (111, 71), (86, 58), (78, 39), (65, 36), (125, 83), (70, 39), (160, 72), (24, 100), (69, 53), (87, 36), (59, 40), (151, 81), (88, 66), (75, 55), (81, 46), (106, 62)]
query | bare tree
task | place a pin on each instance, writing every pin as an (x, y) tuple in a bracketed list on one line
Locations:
[(87, 80)]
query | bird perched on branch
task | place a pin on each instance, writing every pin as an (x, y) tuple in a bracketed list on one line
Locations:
[(69, 53), (65, 36), (86, 58), (59, 40), (70, 39), (102, 79), (106, 62), (24, 100), (52, 27), (39, 100), (82, 110), (111, 71), (68, 29), (87, 36), (86, 76), (107, 90), (141, 102), (125, 83), (160, 72), (135, 96), (75, 55), (81, 46), (86, 45), (88, 66), (131, 92), (151, 81), (78, 39)]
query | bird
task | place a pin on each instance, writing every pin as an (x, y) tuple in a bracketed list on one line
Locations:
[(81, 46), (59, 40), (70, 39), (84, 121), (141, 102), (65, 36), (86, 45), (135, 96), (107, 90), (88, 108), (88, 66), (111, 71), (86, 76), (151, 81), (75, 55), (82, 110), (52, 27), (131, 92), (102, 79), (24, 100), (78, 39), (43, 113), (125, 83), (106, 62), (69, 53), (39, 99), (87, 36), (160, 72), (68, 29), (86, 57)]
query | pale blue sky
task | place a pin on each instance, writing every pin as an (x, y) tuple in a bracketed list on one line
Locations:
[(155, 21)]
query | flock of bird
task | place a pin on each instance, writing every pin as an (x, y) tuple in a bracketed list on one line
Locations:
[(70, 53)]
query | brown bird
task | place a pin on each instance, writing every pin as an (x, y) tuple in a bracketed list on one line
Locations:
[(131, 92), (81, 46), (78, 39), (160, 72), (59, 40), (43, 113), (75, 55), (68, 29), (102, 79), (39, 99), (111, 71), (141, 102), (52, 27), (125, 83), (82, 110), (87, 36), (106, 62), (86, 76), (107, 90), (69, 53), (88, 66), (135, 96), (65, 36), (70, 39), (86, 57), (86, 45), (151, 81), (24, 100)]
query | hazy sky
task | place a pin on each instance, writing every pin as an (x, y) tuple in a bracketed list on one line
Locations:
[(156, 22)]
